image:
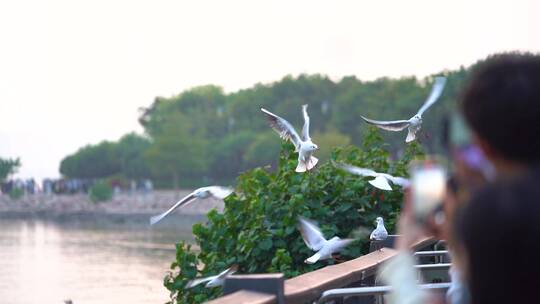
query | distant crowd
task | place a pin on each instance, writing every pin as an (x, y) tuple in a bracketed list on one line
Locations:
[(72, 186)]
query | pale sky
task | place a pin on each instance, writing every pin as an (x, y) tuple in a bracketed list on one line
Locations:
[(75, 72)]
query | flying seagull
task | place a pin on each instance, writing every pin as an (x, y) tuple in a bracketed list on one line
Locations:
[(213, 281), (315, 241), (303, 145), (380, 233), (204, 192), (381, 179), (414, 123)]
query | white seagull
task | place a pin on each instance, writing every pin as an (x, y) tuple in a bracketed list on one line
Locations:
[(213, 281), (303, 145), (204, 192), (380, 233), (315, 241), (414, 123), (381, 180)]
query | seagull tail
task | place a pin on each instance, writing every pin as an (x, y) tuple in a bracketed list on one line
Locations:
[(313, 259), (312, 162), (301, 167), (410, 136)]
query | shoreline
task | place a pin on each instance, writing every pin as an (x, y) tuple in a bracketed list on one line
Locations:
[(122, 203), (123, 209)]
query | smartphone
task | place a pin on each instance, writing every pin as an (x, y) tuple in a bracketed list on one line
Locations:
[(428, 188)]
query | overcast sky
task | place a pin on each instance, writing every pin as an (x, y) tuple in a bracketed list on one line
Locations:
[(75, 72)]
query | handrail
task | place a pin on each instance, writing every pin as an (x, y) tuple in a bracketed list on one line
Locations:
[(309, 286), (371, 291)]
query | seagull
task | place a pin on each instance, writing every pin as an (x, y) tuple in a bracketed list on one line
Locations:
[(381, 179), (415, 122), (380, 233), (303, 145), (204, 192), (315, 241), (213, 281)]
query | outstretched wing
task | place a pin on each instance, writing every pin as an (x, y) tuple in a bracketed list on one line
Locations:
[(436, 92), (283, 128), (228, 272), (393, 125), (219, 191), (184, 201), (196, 282), (311, 234), (381, 182), (337, 246), (400, 181), (305, 129), (355, 170)]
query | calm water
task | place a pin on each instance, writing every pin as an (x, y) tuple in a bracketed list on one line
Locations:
[(48, 262)]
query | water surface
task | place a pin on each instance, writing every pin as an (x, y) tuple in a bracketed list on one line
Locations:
[(88, 262)]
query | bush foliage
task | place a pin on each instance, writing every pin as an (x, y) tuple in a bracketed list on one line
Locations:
[(258, 227), (100, 192)]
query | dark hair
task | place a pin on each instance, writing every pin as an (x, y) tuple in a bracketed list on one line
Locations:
[(501, 103), (500, 233)]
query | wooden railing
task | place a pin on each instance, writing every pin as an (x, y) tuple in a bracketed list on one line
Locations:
[(309, 286)]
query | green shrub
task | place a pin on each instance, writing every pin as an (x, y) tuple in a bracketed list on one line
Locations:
[(16, 193), (100, 192), (258, 228)]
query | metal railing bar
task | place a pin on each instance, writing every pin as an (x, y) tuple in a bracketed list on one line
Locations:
[(371, 291), (433, 266), (431, 253)]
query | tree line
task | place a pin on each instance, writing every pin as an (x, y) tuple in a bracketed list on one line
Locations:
[(204, 135)]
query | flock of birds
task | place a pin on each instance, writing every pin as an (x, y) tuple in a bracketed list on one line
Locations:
[(304, 146)]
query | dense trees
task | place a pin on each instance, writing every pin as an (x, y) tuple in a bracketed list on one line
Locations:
[(8, 166), (108, 158), (205, 135)]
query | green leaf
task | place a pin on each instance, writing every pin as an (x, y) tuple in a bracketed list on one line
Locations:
[(266, 244)]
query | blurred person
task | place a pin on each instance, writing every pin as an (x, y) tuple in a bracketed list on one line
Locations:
[(498, 239), (501, 104)]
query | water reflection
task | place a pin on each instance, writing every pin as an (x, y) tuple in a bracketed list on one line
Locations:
[(46, 262)]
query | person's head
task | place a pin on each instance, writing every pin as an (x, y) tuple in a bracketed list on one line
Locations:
[(501, 104), (499, 239)]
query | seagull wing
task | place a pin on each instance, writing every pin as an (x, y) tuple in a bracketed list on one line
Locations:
[(311, 234), (184, 201), (196, 282), (436, 92), (219, 191), (379, 234), (380, 182), (305, 129), (228, 272), (283, 128), (341, 244), (393, 125), (400, 181), (355, 170)]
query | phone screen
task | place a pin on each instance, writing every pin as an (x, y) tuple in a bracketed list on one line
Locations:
[(428, 187)]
